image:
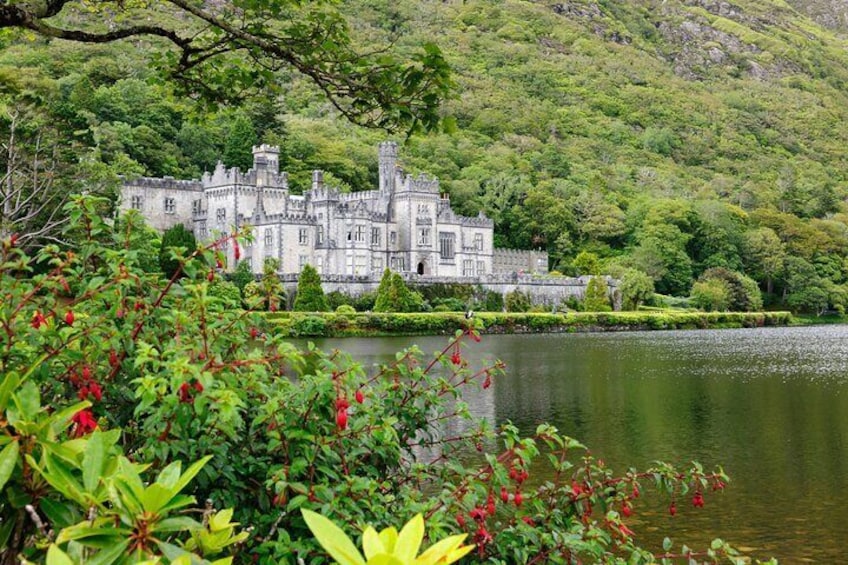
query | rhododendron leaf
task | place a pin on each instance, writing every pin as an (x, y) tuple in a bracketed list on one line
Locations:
[(190, 473), (176, 524), (371, 543), (92, 461), (56, 556), (409, 539), (332, 539), (389, 538), (110, 554), (445, 551), (8, 460), (169, 476)]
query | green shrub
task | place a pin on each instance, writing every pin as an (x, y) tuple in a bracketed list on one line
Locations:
[(177, 243), (309, 326), (225, 291), (517, 301), (310, 295), (597, 295)]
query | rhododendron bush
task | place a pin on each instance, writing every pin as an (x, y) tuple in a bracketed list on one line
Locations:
[(116, 379)]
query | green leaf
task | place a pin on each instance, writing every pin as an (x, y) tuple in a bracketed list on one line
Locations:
[(155, 497), (109, 555), (667, 544), (385, 559), (190, 473), (92, 461), (332, 539), (177, 524), (60, 514), (56, 556), (10, 383), (8, 460), (28, 400)]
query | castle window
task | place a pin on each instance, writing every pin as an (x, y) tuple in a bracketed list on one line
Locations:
[(269, 236), (447, 245), (320, 237), (377, 264), (221, 215), (481, 268), (360, 233), (195, 207), (302, 261), (478, 241), (393, 238), (135, 202), (468, 268), (375, 236), (397, 264), (303, 236), (201, 229), (424, 237), (319, 264), (361, 264)]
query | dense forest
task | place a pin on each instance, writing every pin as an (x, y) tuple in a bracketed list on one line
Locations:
[(666, 138)]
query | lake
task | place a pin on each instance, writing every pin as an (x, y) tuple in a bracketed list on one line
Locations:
[(769, 404)]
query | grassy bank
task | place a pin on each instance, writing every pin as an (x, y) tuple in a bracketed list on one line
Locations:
[(331, 324)]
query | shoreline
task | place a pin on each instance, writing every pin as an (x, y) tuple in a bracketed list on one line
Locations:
[(371, 324)]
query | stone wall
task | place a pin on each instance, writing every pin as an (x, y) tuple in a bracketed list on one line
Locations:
[(519, 261), (551, 292)]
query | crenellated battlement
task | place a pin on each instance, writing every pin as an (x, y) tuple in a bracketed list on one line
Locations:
[(165, 183)]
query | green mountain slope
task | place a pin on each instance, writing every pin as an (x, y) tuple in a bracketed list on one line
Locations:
[(665, 136)]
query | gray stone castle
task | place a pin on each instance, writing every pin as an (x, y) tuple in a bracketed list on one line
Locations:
[(406, 224)]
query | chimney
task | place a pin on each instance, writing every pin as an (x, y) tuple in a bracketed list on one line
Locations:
[(317, 180)]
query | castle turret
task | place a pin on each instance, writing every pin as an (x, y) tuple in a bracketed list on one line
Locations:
[(388, 165), (266, 158)]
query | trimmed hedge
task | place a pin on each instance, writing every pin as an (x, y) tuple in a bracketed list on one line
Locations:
[(336, 324)]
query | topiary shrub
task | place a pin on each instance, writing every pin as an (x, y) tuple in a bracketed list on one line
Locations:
[(310, 296), (597, 295)]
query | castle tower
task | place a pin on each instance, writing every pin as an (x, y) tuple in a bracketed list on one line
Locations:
[(266, 158), (388, 164)]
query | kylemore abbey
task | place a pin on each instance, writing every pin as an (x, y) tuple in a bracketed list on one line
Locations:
[(405, 224)]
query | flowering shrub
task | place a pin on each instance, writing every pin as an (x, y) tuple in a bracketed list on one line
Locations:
[(154, 370)]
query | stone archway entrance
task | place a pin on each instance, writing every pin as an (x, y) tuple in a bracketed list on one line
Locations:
[(420, 269)]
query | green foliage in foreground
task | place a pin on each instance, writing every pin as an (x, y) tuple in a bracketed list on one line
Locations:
[(103, 363)]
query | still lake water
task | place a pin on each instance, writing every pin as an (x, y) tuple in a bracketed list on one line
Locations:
[(769, 404)]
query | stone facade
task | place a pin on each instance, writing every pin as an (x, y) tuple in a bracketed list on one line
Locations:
[(406, 224)]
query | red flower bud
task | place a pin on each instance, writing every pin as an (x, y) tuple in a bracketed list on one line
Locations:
[(37, 320), (85, 423), (490, 504), (528, 520), (342, 403), (341, 419), (672, 509), (210, 276), (698, 500), (518, 498), (253, 333), (113, 358), (504, 495), (635, 491), (86, 373), (185, 393), (487, 382), (360, 398), (456, 359), (82, 393), (477, 514), (627, 510), (13, 239), (197, 386)]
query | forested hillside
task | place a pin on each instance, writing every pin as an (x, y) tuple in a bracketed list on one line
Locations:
[(664, 136)]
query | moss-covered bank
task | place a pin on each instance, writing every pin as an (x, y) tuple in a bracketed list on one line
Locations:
[(331, 324)]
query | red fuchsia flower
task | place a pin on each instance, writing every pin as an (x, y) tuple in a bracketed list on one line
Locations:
[(487, 382), (86, 373), (236, 250), (625, 531), (576, 489), (627, 509), (342, 403), (490, 504), (528, 520), (138, 306), (69, 317), (84, 423), (219, 263), (95, 391), (672, 509), (504, 495), (341, 419), (38, 319), (360, 398), (460, 520), (474, 335), (253, 333), (456, 358), (210, 276), (518, 498), (635, 491), (718, 485), (197, 386), (698, 500), (82, 393), (482, 537), (185, 394), (477, 514)]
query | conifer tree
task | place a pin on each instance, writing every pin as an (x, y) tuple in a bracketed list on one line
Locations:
[(597, 295), (310, 296), (177, 236)]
